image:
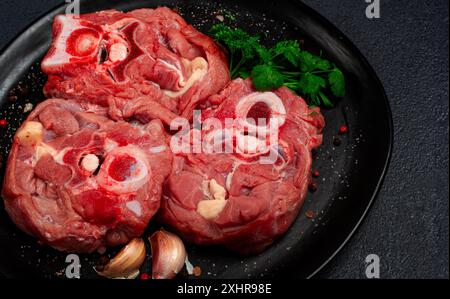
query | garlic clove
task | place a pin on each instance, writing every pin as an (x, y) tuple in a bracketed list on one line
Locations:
[(127, 262), (168, 254), (210, 209)]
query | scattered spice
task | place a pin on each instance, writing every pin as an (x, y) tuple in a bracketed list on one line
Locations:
[(230, 16), (310, 214), (337, 141), (315, 173), (59, 273), (28, 107), (144, 276), (312, 187), (3, 123), (220, 18), (343, 129), (197, 271)]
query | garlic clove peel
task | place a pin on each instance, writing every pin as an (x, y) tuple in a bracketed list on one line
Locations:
[(168, 254), (126, 263)]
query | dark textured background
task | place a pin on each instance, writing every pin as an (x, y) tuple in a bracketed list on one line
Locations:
[(408, 47)]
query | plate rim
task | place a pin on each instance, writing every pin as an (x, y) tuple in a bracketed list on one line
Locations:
[(325, 23), (390, 124)]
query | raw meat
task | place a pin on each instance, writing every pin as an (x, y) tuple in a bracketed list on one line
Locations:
[(240, 198), (145, 64), (78, 181), (91, 168)]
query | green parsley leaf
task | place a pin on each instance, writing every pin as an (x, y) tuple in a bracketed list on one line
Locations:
[(285, 64), (290, 50), (241, 45), (310, 62), (325, 100), (235, 39), (263, 54), (311, 84), (266, 77), (244, 74), (337, 82)]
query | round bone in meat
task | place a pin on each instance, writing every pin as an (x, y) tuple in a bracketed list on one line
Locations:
[(90, 163), (52, 188), (132, 61), (275, 112), (118, 52), (263, 197)]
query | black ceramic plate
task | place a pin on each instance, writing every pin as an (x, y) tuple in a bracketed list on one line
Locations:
[(350, 174)]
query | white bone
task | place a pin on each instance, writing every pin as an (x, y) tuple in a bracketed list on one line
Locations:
[(118, 52), (278, 114), (90, 163)]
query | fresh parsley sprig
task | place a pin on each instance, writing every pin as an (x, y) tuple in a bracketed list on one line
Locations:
[(285, 64)]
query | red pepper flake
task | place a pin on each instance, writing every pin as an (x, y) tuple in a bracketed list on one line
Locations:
[(197, 271), (315, 173), (310, 214), (343, 129), (144, 276), (312, 187), (3, 123)]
